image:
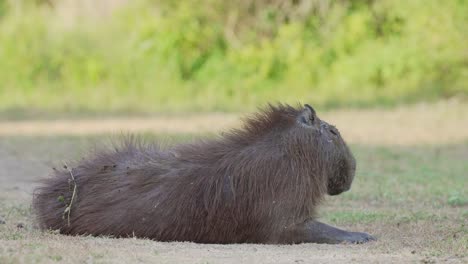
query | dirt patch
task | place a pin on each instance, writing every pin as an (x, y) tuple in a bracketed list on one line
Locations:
[(140, 251)]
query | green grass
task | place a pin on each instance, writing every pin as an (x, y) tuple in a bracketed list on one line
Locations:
[(353, 217), (429, 174), (186, 56)]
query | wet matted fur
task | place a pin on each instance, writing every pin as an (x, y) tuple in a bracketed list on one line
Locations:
[(249, 185)]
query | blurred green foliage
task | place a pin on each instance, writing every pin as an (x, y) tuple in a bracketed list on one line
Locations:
[(207, 55)]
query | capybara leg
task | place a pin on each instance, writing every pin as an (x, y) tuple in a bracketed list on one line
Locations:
[(315, 232)]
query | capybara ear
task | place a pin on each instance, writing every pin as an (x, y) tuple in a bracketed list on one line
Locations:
[(307, 116), (310, 108)]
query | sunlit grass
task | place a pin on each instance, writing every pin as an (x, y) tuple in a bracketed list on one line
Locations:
[(142, 60)]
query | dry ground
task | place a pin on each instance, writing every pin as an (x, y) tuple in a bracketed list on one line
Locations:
[(410, 191), (438, 123)]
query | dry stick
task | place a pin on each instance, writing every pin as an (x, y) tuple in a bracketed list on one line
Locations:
[(68, 209)]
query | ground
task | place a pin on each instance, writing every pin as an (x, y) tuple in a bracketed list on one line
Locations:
[(410, 190)]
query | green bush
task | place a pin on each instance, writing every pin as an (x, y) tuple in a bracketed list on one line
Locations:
[(230, 55)]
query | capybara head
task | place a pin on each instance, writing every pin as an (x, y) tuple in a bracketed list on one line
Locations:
[(338, 161), (308, 137)]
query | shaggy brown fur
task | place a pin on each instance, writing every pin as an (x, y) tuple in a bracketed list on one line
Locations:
[(251, 185)]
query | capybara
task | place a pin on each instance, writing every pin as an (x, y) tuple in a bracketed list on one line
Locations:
[(261, 183)]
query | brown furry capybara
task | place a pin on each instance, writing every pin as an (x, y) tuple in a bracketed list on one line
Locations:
[(258, 184)]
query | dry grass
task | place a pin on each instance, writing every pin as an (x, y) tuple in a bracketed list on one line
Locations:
[(440, 123)]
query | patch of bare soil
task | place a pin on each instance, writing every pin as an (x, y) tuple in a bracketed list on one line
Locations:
[(90, 250)]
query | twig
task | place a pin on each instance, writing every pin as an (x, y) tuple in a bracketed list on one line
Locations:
[(68, 209)]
